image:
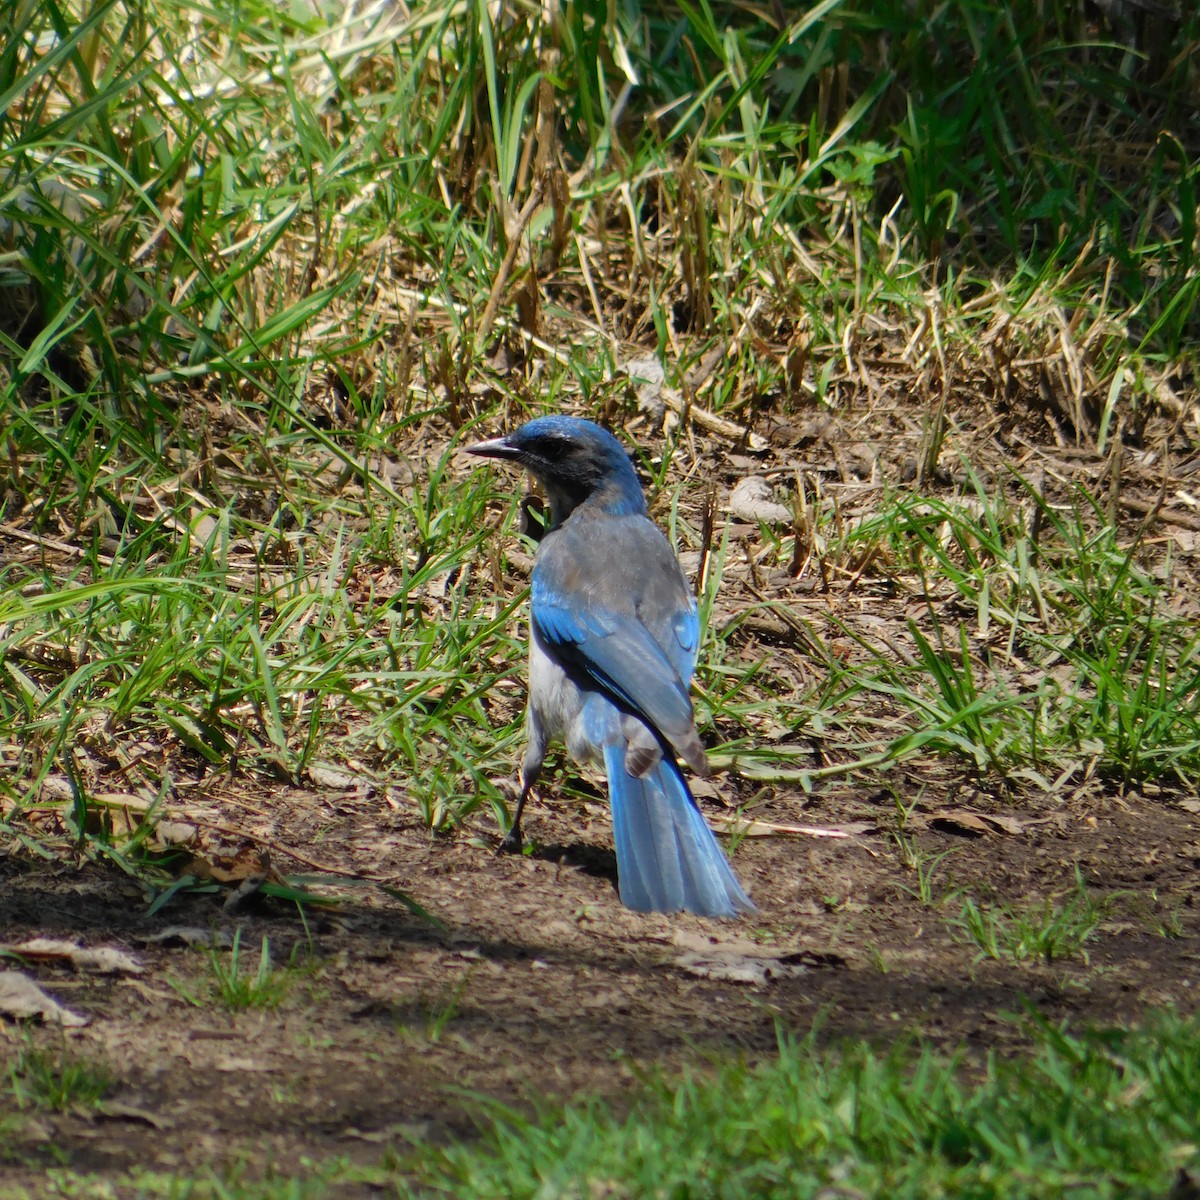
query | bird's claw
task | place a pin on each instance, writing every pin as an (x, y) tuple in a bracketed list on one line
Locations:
[(512, 843)]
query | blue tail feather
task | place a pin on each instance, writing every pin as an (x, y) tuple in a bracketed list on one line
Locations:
[(667, 857)]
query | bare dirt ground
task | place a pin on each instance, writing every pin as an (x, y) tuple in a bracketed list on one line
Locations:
[(539, 984)]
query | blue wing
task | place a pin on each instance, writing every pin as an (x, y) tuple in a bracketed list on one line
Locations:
[(633, 630)]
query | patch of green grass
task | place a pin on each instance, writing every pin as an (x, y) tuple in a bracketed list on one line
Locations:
[(262, 656), (318, 1180), (928, 889), (1057, 1121), (1163, 915), (436, 1013), (237, 985), (1047, 640), (1046, 932), (1108, 1114), (263, 986), (923, 866), (56, 1077)]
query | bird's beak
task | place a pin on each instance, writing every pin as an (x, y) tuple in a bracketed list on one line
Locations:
[(497, 448)]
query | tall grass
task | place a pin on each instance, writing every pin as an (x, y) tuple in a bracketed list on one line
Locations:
[(259, 265), (854, 1121)]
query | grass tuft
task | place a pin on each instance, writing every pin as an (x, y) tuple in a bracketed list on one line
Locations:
[(57, 1078), (1045, 933), (900, 1123)]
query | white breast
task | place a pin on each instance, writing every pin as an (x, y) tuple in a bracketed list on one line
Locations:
[(560, 710)]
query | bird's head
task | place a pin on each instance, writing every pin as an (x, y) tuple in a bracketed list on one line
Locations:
[(575, 461)]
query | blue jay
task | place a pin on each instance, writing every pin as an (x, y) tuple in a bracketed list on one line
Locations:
[(613, 640)]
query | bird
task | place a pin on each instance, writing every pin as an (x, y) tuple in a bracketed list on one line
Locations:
[(614, 633)]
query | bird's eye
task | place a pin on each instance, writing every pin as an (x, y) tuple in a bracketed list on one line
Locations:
[(553, 449)]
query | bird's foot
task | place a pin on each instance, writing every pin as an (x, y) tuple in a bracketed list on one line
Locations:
[(512, 842)]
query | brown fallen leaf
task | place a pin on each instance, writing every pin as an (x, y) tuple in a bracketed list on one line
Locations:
[(249, 862), (334, 778), (193, 935), (1003, 823), (964, 824), (56, 787), (100, 958), (239, 1064), (414, 1132), (973, 824), (127, 800), (116, 1111), (173, 833), (753, 500), (21, 998), (738, 960)]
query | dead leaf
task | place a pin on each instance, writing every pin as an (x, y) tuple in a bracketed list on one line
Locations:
[(104, 959), (21, 998), (1003, 823), (413, 1132), (647, 376), (236, 1064), (56, 787), (33, 1132), (972, 824), (1188, 540), (248, 863), (336, 780), (122, 800), (174, 833), (1192, 806), (734, 969), (193, 935), (960, 822), (738, 960), (752, 500), (116, 1111)]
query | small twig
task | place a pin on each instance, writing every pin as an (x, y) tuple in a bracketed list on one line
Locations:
[(1153, 511), (710, 421), (755, 828), (51, 544)]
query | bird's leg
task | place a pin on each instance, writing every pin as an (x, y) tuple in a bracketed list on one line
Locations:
[(531, 769), (513, 843)]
